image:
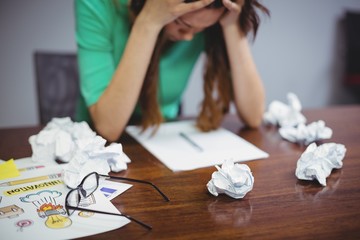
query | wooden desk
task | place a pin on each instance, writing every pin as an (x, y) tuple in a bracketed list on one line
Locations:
[(279, 206)]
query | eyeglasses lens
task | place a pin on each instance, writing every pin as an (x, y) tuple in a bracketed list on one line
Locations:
[(73, 199), (89, 185)]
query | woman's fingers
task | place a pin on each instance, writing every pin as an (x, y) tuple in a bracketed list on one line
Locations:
[(165, 11), (184, 8), (233, 6), (234, 10)]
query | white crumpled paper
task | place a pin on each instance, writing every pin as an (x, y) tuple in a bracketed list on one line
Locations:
[(317, 162), (306, 134), (76, 144), (235, 180), (282, 114)]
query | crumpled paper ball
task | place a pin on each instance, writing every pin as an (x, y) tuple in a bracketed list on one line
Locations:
[(234, 180), (306, 134), (317, 162), (76, 144), (281, 114), (93, 156), (58, 140)]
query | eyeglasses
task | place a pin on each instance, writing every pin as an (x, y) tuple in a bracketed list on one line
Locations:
[(88, 186)]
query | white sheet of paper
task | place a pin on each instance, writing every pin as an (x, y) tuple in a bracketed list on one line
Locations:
[(179, 154)]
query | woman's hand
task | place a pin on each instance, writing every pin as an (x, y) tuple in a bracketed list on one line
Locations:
[(231, 16), (162, 12)]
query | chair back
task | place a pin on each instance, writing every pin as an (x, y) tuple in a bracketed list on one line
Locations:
[(57, 83), (352, 34)]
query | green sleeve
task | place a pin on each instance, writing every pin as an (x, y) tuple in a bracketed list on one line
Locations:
[(94, 24)]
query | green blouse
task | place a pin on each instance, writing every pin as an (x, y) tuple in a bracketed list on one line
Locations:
[(102, 30)]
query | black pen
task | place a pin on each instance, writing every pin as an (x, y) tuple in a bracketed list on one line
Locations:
[(189, 140)]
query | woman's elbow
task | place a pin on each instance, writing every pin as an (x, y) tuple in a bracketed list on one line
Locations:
[(253, 121), (105, 127), (109, 133)]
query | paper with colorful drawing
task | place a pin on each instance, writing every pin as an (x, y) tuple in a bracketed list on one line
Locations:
[(33, 205)]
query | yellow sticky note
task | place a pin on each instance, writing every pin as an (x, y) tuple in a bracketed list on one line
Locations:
[(8, 169)]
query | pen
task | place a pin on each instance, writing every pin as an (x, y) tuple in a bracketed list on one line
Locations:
[(29, 180), (30, 168), (189, 140)]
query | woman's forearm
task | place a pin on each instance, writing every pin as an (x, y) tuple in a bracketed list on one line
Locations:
[(249, 94), (114, 108)]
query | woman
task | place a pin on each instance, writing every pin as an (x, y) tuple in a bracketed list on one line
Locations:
[(135, 58)]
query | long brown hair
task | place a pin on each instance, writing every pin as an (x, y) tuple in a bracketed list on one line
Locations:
[(217, 80)]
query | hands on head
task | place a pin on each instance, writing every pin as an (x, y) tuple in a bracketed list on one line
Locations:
[(166, 11), (182, 19)]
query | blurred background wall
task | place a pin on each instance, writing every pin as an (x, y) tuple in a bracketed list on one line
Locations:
[(300, 48)]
